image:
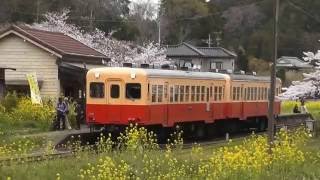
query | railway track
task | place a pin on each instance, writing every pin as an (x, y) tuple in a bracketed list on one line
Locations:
[(282, 121), (37, 157)]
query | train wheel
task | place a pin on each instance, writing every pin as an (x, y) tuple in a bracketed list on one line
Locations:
[(200, 132), (262, 124)]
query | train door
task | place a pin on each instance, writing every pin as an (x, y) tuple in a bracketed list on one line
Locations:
[(114, 96)]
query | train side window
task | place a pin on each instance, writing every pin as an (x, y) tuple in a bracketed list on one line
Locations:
[(258, 93), (181, 93), (198, 94), (133, 90), (176, 93), (193, 93), (252, 94), (215, 93), (171, 94), (160, 93), (245, 94), (220, 95), (202, 93), (261, 95), (238, 93), (187, 93), (154, 93), (115, 91), (96, 90), (266, 93), (234, 93), (211, 89), (165, 89)]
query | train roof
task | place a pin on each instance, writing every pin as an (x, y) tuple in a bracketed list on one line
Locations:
[(242, 77), (156, 73)]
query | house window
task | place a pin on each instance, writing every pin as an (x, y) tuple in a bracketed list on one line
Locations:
[(219, 65)]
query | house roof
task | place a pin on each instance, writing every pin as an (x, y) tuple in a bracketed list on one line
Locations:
[(292, 62), (57, 43), (187, 50)]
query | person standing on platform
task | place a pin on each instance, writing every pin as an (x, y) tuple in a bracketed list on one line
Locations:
[(61, 111), (66, 113), (79, 112)]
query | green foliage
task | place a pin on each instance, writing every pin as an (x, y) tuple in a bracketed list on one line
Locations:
[(259, 65), (10, 101), (20, 113)]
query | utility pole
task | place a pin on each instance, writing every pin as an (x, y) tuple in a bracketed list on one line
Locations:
[(271, 118), (159, 24), (218, 39), (91, 19), (38, 10)]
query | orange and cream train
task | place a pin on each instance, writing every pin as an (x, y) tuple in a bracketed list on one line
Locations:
[(117, 96)]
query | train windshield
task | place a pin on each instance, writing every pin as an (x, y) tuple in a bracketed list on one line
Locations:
[(133, 91), (96, 90)]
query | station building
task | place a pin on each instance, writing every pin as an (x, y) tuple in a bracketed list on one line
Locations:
[(59, 61)]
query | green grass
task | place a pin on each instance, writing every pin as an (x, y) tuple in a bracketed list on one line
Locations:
[(312, 106)]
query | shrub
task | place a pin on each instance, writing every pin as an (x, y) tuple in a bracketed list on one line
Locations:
[(31, 115), (10, 101)]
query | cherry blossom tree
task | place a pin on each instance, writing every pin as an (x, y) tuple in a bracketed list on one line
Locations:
[(119, 51), (310, 85)]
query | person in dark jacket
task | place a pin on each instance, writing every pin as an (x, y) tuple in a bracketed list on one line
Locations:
[(79, 112), (296, 109), (61, 113)]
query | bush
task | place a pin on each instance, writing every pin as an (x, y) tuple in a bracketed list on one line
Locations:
[(10, 101), (32, 115)]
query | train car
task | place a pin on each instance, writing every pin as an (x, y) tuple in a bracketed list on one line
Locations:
[(117, 96)]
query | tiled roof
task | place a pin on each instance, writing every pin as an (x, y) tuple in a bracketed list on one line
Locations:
[(58, 42), (181, 50), (187, 50), (216, 52), (292, 62)]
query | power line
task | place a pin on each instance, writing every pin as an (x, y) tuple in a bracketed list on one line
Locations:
[(303, 11)]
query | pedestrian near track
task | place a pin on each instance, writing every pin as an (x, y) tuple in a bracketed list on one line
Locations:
[(61, 111), (67, 123), (79, 112)]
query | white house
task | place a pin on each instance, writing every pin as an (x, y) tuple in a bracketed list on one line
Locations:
[(207, 58)]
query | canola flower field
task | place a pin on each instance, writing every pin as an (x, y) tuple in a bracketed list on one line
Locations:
[(137, 156), (294, 155)]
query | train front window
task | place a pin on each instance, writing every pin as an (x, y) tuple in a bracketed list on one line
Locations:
[(133, 91), (96, 90)]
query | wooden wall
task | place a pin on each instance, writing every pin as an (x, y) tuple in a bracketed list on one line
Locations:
[(26, 58)]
